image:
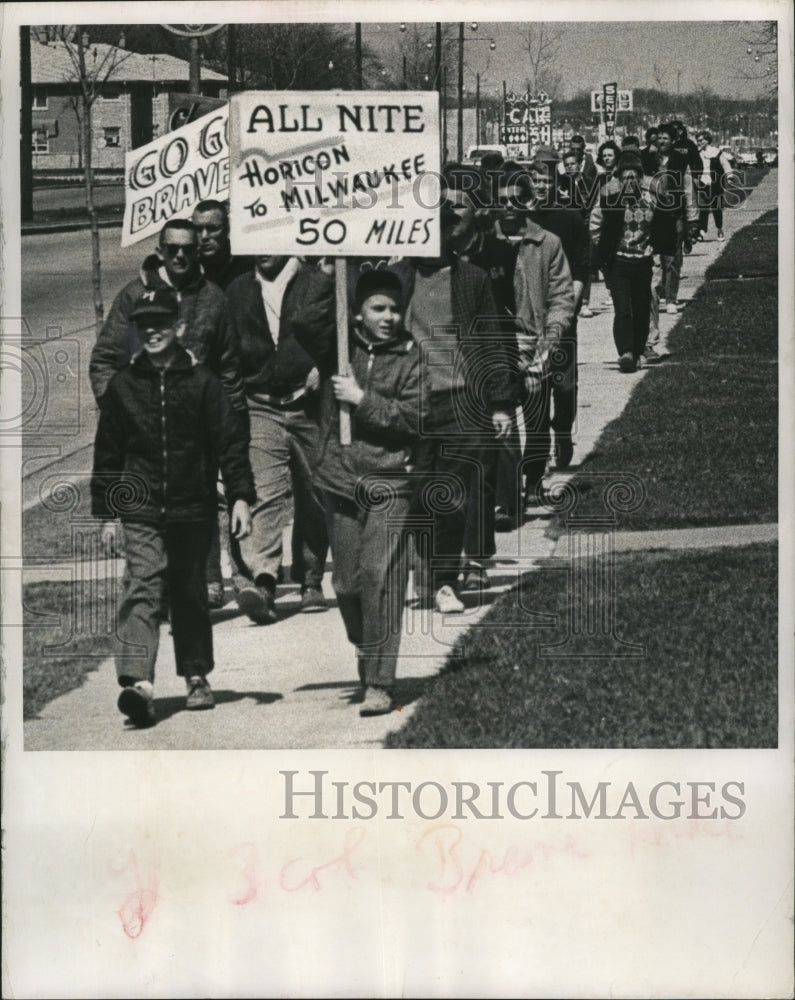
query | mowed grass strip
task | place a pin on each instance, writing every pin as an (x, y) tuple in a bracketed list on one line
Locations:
[(751, 252), (701, 429), (58, 657), (707, 620)]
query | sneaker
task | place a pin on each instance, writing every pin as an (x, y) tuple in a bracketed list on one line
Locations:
[(650, 356), (721, 237), (447, 602), (215, 596), (377, 701), (138, 704), (258, 604), (475, 580), (586, 312), (503, 521), (564, 452), (672, 309), (627, 363), (200, 694), (312, 599)]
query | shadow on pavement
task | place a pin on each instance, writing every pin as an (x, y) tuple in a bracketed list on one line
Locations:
[(166, 707)]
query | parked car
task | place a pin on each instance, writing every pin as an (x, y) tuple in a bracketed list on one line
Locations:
[(476, 153), (770, 155), (746, 157)]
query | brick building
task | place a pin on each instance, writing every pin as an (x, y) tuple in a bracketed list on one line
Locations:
[(132, 109)]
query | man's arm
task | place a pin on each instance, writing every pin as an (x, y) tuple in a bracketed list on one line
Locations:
[(110, 445), (315, 322), (114, 346)]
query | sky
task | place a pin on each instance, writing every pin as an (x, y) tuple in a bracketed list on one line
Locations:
[(689, 55)]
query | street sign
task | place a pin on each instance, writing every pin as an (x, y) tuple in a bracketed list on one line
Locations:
[(624, 101), (167, 177), (335, 173)]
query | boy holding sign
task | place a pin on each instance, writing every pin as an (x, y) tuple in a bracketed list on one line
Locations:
[(367, 485)]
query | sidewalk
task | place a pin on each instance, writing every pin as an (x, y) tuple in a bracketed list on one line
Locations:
[(291, 685)]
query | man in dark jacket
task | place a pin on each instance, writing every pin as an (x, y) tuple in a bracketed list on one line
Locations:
[(165, 426), (215, 253), (572, 231), (470, 368), (280, 382), (204, 333), (673, 166)]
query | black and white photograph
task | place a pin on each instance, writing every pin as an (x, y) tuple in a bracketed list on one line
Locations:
[(373, 386)]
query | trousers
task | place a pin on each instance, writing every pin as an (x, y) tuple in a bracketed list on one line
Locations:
[(370, 576), (283, 444), (177, 555), (630, 286)]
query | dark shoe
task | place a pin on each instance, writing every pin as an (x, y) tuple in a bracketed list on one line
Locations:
[(200, 694), (377, 701), (215, 596), (312, 599), (564, 452), (475, 580), (627, 363), (258, 604), (503, 521), (138, 704)]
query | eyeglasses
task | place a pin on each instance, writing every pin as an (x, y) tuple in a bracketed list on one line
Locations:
[(172, 249)]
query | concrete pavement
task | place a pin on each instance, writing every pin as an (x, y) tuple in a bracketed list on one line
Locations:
[(292, 685)]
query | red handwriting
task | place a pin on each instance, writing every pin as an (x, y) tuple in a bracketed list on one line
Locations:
[(293, 875), (455, 869), (137, 907), (248, 871)]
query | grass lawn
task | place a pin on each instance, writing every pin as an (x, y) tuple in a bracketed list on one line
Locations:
[(708, 621), (701, 430), (751, 251), (49, 673)]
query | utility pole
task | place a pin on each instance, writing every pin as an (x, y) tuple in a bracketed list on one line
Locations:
[(358, 54), (231, 57), (460, 129), (438, 57), (26, 127), (477, 110), (195, 66)]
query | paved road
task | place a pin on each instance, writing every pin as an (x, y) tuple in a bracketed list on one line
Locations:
[(57, 305)]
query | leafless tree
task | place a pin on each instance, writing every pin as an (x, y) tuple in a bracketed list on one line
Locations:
[(762, 52), (542, 45), (91, 72)]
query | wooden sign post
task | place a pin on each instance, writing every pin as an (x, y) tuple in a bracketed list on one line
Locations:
[(343, 361)]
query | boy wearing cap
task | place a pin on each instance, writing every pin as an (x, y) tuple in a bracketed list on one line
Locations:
[(367, 485), (165, 426)]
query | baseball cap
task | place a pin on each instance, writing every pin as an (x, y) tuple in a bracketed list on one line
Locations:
[(156, 302), (378, 281)]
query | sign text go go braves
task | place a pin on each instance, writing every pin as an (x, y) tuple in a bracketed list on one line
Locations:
[(334, 173), (167, 177)]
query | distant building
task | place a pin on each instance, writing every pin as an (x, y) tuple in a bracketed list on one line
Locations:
[(133, 107)]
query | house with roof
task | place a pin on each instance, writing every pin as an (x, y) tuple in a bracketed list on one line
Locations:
[(135, 104)]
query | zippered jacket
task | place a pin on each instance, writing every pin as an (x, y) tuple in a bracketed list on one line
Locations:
[(207, 334), (384, 426), (162, 435)]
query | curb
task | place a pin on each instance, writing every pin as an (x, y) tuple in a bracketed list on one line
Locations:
[(34, 228)]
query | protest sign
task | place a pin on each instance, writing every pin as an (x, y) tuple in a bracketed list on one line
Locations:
[(173, 173), (335, 173)]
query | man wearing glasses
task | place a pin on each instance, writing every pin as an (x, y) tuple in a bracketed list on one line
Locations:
[(202, 314)]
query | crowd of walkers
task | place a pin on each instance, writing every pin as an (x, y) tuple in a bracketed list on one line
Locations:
[(460, 388)]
